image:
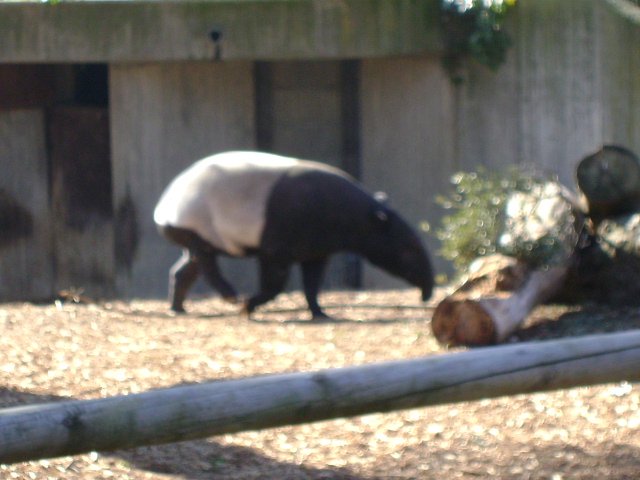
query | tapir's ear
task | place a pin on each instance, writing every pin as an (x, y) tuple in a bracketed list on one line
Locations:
[(381, 197)]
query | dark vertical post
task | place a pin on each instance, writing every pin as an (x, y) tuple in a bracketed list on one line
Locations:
[(350, 99), (264, 105)]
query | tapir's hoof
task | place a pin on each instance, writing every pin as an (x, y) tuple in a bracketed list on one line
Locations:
[(232, 300), (244, 311), (178, 310), (321, 317)]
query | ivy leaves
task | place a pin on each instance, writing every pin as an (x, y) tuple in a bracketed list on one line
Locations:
[(514, 212), (474, 29)]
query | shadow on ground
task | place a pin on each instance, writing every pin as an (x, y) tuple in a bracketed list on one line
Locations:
[(206, 459), (587, 320), (197, 459)]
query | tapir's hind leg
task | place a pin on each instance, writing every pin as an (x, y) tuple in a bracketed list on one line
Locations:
[(209, 266), (181, 277), (312, 276), (273, 278)]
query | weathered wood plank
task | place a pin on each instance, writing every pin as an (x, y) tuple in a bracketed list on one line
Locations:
[(24, 86), (163, 118), (81, 191), (26, 267), (619, 34)]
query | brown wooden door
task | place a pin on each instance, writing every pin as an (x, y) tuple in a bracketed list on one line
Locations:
[(81, 197)]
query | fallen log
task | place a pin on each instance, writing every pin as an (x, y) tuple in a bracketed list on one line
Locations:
[(609, 179), (493, 301), (196, 411), (542, 228)]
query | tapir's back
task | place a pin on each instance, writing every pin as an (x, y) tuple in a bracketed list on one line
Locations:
[(223, 197), (316, 210)]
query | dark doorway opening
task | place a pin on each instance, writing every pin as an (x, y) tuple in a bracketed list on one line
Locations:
[(79, 146), (78, 132)]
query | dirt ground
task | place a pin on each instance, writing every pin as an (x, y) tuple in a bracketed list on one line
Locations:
[(67, 350)]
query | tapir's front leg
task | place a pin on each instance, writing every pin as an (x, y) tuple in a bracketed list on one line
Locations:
[(312, 276)]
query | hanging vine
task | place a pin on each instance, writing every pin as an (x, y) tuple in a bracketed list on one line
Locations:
[(474, 29)]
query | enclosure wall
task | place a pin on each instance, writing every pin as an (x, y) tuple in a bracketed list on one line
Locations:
[(571, 82)]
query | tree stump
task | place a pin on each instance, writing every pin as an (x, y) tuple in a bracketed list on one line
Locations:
[(607, 268), (610, 182)]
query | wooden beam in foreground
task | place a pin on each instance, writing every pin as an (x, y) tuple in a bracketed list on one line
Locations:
[(208, 409)]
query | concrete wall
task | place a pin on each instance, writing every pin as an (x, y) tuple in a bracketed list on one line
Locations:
[(407, 139), (144, 31), (570, 84), (620, 66)]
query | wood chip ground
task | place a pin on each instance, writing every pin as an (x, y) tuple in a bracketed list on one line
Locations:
[(67, 350)]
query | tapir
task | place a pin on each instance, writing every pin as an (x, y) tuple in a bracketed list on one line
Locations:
[(283, 211)]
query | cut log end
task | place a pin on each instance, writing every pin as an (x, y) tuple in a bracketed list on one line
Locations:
[(609, 179), (483, 311), (466, 322)]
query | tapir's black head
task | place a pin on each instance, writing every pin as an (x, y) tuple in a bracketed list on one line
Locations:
[(393, 245)]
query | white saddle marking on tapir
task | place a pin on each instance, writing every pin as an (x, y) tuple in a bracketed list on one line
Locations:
[(223, 198)]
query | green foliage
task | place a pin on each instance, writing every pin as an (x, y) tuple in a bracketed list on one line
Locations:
[(474, 28), (473, 227), (477, 221), (541, 225)]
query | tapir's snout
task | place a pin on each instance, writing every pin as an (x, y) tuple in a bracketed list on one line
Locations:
[(425, 276), (426, 292)]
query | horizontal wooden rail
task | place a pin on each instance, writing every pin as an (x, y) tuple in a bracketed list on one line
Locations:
[(196, 411)]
